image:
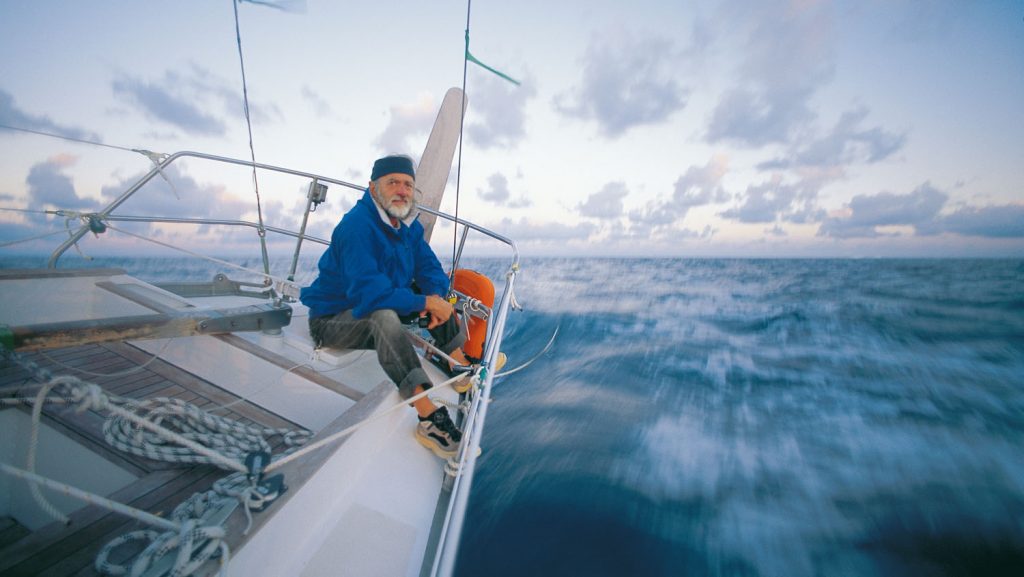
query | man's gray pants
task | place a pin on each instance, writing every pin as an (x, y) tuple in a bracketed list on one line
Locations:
[(386, 333)]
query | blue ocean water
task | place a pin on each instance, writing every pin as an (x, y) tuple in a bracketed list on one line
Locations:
[(757, 417), (748, 417)]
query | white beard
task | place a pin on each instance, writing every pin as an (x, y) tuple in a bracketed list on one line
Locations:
[(390, 210), (399, 213)]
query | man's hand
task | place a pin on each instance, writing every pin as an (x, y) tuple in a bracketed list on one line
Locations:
[(438, 309)]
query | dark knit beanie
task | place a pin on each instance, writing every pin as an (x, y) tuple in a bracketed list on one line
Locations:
[(392, 165)]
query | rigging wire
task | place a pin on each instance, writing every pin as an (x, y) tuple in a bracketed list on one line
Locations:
[(458, 169), (30, 239), (64, 137), (154, 157), (248, 123)]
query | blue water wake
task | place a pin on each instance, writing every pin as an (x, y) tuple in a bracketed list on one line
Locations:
[(744, 417)]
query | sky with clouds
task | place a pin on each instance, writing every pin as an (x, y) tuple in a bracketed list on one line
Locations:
[(738, 128)]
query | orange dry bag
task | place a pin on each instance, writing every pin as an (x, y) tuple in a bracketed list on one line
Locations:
[(475, 285)]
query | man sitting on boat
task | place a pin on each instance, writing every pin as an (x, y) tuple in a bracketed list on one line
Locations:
[(379, 273)]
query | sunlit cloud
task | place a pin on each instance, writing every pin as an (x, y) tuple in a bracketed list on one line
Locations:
[(49, 188)]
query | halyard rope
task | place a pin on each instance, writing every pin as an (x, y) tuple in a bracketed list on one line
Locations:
[(30, 458), (348, 431)]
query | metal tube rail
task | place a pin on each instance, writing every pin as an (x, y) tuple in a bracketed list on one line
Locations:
[(286, 232), (458, 253), (444, 560), (213, 221), (310, 198), (480, 229), (105, 213)]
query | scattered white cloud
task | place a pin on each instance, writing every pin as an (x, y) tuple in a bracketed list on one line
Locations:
[(789, 107), (50, 188), (628, 80), (771, 201), (1005, 221), (497, 114), (406, 121), (317, 103), (866, 213), (498, 192), (701, 185), (527, 231), (605, 203), (160, 104), (497, 189), (187, 199), (847, 143), (195, 101), (698, 186), (787, 55)]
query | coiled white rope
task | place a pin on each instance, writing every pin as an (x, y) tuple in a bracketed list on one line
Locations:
[(146, 429), (226, 442), (182, 533), (185, 537)]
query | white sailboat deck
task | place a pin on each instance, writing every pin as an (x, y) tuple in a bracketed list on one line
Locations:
[(363, 506)]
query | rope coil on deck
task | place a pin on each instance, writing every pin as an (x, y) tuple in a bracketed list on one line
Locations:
[(227, 437), (188, 559), (154, 429)]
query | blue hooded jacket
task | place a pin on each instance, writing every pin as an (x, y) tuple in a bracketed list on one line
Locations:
[(371, 265)]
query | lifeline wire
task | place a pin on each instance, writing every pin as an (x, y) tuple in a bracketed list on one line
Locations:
[(201, 256)]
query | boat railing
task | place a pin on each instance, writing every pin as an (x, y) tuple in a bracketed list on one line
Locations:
[(107, 213), (442, 551)]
